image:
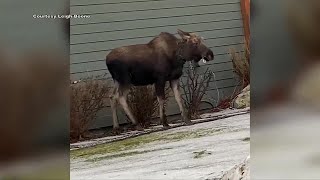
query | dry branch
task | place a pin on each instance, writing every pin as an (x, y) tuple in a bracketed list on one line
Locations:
[(241, 64), (144, 104), (194, 90), (87, 98)]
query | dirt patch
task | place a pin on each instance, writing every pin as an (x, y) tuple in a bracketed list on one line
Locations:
[(246, 139), (201, 154)]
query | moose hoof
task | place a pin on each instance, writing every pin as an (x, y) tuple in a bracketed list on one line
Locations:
[(116, 131), (138, 127), (188, 122), (166, 126)]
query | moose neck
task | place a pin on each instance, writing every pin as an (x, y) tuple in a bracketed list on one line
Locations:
[(180, 52)]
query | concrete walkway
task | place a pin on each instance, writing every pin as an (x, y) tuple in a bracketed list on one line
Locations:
[(201, 151)]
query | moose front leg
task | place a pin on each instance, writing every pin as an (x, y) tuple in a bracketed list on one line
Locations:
[(161, 100), (162, 114), (174, 84)]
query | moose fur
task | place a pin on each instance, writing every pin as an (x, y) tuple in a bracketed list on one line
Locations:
[(156, 62)]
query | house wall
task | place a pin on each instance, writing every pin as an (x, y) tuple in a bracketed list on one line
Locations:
[(115, 23)]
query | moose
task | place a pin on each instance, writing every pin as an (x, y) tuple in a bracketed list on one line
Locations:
[(155, 63)]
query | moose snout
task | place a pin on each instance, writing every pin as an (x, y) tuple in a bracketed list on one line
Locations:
[(209, 55)]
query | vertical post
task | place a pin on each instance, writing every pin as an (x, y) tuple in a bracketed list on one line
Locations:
[(245, 11)]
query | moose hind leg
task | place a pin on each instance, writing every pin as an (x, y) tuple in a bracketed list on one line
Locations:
[(113, 103), (174, 84), (123, 92)]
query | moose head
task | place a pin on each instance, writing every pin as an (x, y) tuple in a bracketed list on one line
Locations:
[(193, 48)]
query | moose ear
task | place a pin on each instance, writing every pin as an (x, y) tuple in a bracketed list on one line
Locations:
[(183, 35)]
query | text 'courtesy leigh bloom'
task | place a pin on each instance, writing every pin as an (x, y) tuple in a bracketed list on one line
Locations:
[(59, 16)]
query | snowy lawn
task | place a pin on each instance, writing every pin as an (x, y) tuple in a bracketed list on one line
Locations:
[(200, 151)]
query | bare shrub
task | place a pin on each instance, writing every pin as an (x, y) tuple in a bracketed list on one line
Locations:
[(87, 98), (144, 104), (226, 101), (223, 104), (194, 89), (241, 64)]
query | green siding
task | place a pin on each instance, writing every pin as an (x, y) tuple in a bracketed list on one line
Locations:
[(116, 23)]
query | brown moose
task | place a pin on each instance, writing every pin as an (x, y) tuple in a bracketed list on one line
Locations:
[(157, 62)]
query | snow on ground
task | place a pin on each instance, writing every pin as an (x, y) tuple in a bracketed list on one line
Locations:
[(201, 151)]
